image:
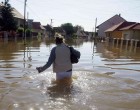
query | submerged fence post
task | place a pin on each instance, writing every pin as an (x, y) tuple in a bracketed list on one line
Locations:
[(135, 46), (117, 42), (126, 44), (131, 45), (121, 43), (107, 41), (5, 36), (113, 42)]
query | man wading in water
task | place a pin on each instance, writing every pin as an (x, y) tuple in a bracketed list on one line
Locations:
[(60, 58)]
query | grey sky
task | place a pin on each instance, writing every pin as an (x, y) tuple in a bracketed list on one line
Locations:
[(79, 12)]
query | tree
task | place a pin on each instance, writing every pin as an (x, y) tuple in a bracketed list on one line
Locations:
[(68, 28), (78, 27), (50, 30), (7, 21)]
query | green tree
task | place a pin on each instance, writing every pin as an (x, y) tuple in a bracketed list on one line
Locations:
[(78, 27), (50, 30), (7, 21), (68, 28)]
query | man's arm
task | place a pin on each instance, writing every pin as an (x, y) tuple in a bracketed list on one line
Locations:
[(49, 62), (76, 52)]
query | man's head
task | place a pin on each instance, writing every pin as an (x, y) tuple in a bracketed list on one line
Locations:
[(59, 38)]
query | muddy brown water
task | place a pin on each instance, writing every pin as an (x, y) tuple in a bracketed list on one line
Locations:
[(106, 78)]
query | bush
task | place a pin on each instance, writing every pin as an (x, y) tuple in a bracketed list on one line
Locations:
[(28, 32), (20, 31)]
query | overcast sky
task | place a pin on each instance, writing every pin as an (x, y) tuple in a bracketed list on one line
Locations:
[(78, 12)]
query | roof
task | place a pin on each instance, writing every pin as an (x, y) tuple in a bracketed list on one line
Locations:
[(17, 14), (59, 29), (135, 26), (120, 25), (112, 22), (37, 25), (114, 27), (42, 27)]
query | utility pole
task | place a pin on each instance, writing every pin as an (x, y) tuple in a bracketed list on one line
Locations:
[(24, 20), (51, 22), (50, 32), (95, 27)]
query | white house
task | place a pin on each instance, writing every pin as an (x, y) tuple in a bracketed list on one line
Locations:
[(108, 24)]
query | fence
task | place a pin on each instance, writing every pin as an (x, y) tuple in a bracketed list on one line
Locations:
[(120, 43)]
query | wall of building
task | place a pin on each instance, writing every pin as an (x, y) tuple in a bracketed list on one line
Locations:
[(127, 34), (117, 34), (137, 34), (109, 23)]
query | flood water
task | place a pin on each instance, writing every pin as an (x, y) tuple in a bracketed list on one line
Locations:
[(106, 77)]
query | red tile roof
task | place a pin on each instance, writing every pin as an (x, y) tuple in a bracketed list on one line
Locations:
[(113, 28), (135, 26), (37, 25), (120, 26)]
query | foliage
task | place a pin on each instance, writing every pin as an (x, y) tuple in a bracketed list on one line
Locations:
[(74, 36), (48, 27), (20, 31), (68, 28), (78, 27), (28, 32), (50, 30), (7, 21)]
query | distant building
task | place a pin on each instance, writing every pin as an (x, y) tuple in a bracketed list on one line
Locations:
[(37, 28), (81, 33), (60, 30), (19, 18), (109, 23), (30, 22)]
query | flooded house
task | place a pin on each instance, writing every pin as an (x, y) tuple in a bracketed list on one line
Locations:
[(81, 34), (108, 24), (115, 32), (131, 32), (18, 17), (37, 29)]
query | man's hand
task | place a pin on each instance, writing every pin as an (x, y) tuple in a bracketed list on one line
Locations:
[(39, 69)]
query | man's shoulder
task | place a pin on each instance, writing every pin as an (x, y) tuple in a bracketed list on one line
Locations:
[(53, 49)]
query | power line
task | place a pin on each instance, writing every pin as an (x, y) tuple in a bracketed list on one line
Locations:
[(20, 1)]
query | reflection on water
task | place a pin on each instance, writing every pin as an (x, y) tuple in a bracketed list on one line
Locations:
[(106, 78)]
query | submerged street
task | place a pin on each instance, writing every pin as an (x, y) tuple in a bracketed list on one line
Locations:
[(106, 77)]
